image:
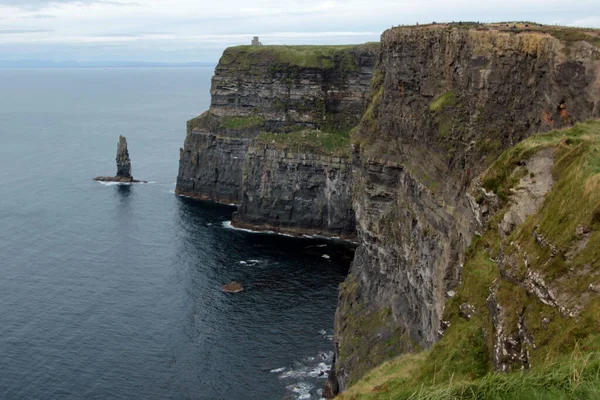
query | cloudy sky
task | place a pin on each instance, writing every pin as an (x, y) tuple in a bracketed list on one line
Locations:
[(198, 30)]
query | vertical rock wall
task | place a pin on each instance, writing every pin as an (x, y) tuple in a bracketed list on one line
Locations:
[(298, 193), (270, 89), (446, 102)]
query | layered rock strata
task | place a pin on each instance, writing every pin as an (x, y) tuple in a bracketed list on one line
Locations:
[(296, 193), (277, 89), (447, 101)]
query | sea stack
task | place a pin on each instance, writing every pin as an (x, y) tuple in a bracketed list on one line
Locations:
[(123, 165), (123, 160)]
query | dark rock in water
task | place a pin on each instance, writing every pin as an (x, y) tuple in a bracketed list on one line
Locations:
[(233, 287), (123, 160), (123, 166)]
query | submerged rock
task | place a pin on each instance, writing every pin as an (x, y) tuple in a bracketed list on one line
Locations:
[(123, 165), (233, 287)]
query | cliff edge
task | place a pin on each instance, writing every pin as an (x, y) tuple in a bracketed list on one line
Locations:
[(447, 100)]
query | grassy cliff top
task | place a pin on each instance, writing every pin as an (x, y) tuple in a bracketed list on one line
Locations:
[(565, 355), (566, 34), (320, 57)]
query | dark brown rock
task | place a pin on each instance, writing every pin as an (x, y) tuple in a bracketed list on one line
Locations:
[(233, 287)]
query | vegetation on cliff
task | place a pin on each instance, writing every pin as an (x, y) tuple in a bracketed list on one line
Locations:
[(542, 279), (568, 34), (308, 140), (317, 57)]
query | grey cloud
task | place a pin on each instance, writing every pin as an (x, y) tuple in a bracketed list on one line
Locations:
[(37, 4), (14, 31)]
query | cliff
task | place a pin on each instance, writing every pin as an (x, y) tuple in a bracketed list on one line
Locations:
[(529, 299), (447, 101), (275, 90), (300, 183), (477, 236)]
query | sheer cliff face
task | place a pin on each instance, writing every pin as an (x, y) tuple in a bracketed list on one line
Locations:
[(270, 89), (298, 193), (446, 103)]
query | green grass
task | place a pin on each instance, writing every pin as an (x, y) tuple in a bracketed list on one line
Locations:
[(446, 99), (320, 142), (575, 376), (318, 57), (566, 357), (239, 123), (572, 35)]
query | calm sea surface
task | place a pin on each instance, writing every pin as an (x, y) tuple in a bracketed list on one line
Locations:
[(113, 291)]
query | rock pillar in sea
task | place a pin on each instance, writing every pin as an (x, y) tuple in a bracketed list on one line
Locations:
[(123, 160), (123, 166)]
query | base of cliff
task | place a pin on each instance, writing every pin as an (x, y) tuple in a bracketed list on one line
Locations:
[(229, 201), (298, 231)]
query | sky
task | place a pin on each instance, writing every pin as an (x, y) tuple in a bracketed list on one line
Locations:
[(199, 30)]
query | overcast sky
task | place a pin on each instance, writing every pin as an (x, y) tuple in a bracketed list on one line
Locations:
[(199, 30)]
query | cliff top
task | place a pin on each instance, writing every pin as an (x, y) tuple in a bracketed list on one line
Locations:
[(306, 56), (566, 34)]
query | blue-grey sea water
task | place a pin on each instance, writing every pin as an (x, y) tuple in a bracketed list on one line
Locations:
[(114, 291)]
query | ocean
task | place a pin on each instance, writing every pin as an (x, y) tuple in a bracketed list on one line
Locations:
[(114, 291)]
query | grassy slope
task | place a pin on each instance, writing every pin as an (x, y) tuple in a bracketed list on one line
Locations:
[(566, 358)]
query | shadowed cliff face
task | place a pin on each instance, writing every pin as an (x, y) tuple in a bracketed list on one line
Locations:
[(446, 102), (276, 89), (298, 193)]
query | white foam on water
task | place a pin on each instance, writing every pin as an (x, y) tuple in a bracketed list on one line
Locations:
[(277, 370), (228, 225), (295, 373), (123, 183), (249, 262), (332, 238), (115, 183), (302, 389), (311, 369), (320, 371)]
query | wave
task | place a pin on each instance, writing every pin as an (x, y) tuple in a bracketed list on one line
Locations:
[(228, 225), (301, 389), (124, 183), (308, 375), (250, 262)]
